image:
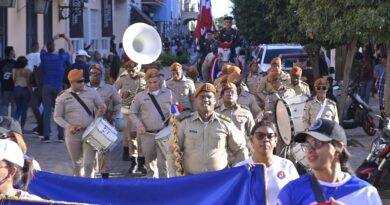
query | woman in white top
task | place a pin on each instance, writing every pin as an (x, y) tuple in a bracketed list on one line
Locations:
[(280, 171), (14, 168)]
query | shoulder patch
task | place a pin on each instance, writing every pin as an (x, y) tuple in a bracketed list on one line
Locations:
[(123, 75), (223, 117)]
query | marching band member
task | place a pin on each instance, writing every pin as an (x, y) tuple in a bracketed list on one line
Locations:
[(319, 106), (150, 112), (74, 111), (253, 78), (182, 88), (264, 87), (205, 136), (299, 86), (280, 171), (14, 168), (192, 73), (112, 101), (245, 98), (325, 146), (240, 115), (129, 84)]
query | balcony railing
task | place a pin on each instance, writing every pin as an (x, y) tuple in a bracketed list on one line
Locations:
[(153, 2)]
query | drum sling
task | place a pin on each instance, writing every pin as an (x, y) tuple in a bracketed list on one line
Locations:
[(316, 188), (83, 104), (155, 103)]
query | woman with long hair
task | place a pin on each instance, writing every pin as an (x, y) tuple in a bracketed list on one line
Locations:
[(22, 89), (280, 171), (331, 181)]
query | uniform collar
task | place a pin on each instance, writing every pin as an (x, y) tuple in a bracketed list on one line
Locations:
[(183, 78), (99, 86), (316, 100), (197, 117), (71, 90), (223, 107)]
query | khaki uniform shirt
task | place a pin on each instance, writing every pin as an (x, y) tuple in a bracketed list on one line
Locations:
[(313, 107), (134, 85), (241, 117), (205, 145), (301, 89), (265, 87), (272, 98), (183, 91), (248, 100), (110, 97), (69, 112), (144, 113), (252, 81)]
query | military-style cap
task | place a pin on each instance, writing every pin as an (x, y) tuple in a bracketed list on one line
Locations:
[(75, 74), (233, 68), (296, 71), (151, 73), (234, 77), (320, 81), (228, 86), (176, 66), (96, 67), (276, 60), (205, 87)]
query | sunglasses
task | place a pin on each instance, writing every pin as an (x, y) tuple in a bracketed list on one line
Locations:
[(94, 74), (315, 144), (80, 81), (322, 87), (261, 135)]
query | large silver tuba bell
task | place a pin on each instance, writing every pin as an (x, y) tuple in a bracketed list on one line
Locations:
[(142, 43)]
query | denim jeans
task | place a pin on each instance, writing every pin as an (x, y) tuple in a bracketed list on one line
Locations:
[(36, 100), (7, 100), (49, 95), (22, 98), (365, 91)]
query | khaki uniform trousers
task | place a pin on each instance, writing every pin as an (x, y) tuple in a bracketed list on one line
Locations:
[(155, 161), (130, 137), (103, 161), (81, 154)]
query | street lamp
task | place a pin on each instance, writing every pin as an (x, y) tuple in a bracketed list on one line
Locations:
[(41, 6), (8, 3), (75, 9)]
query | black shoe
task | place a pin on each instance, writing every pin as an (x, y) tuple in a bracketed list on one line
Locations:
[(125, 154), (105, 175), (133, 165), (141, 165), (45, 140)]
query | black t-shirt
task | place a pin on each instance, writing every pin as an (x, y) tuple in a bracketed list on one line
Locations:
[(6, 66)]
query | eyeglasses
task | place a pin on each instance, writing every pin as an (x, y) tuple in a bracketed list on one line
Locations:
[(261, 135), (94, 74), (323, 87), (315, 144), (80, 81), (5, 135), (231, 92)]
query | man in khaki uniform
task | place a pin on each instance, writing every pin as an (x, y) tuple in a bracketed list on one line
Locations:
[(129, 84), (148, 120), (182, 87), (112, 101), (264, 87), (246, 98), (241, 116), (71, 115), (205, 136), (319, 106), (279, 91), (299, 86), (253, 79)]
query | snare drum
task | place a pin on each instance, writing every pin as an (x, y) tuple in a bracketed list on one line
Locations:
[(299, 155), (288, 117), (163, 142), (101, 135)]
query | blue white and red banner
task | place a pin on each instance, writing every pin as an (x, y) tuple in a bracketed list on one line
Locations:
[(237, 185), (205, 20)]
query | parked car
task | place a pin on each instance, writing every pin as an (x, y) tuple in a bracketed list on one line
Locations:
[(268, 52)]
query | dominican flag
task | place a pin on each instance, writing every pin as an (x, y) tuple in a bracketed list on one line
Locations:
[(176, 109), (205, 20), (214, 68)]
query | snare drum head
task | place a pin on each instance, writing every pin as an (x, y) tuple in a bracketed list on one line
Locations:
[(164, 132), (283, 121), (91, 127)]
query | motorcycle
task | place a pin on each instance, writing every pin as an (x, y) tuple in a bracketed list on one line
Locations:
[(377, 160), (358, 113)]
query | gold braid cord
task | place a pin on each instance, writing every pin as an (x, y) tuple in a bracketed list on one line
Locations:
[(176, 148)]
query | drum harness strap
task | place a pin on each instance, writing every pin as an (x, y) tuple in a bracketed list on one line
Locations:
[(155, 103), (321, 110), (83, 104), (316, 188)]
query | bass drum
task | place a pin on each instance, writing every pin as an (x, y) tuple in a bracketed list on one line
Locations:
[(288, 116), (300, 160)]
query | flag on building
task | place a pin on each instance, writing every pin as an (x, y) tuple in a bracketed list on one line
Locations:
[(205, 19)]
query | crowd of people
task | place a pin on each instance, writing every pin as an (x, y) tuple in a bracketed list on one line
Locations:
[(226, 122)]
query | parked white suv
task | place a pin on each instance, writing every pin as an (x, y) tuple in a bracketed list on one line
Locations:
[(269, 51)]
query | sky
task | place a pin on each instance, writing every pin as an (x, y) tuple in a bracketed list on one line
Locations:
[(221, 7)]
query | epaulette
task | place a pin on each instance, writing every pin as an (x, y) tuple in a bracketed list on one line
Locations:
[(245, 107), (223, 117), (183, 116), (62, 92), (304, 83), (123, 75), (331, 102), (310, 99)]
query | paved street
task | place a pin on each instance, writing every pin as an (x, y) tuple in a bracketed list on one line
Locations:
[(53, 157)]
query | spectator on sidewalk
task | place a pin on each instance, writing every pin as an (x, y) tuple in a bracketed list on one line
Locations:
[(7, 83), (34, 58), (80, 63), (52, 73), (366, 78), (380, 85), (97, 59)]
